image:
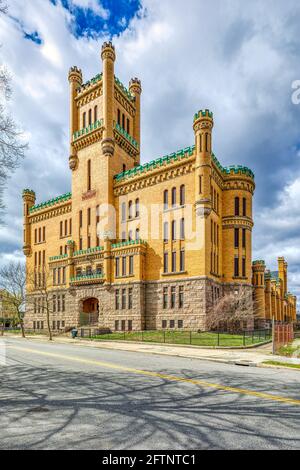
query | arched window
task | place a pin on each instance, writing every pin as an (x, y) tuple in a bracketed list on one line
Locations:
[(89, 175), (137, 207), (128, 126), (137, 234), (90, 117), (206, 142), (130, 235), (166, 197), (173, 197), (123, 121), (123, 212), (130, 210), (84, 120), (237, 206), (166, 231), (95, 113), (119, 117), (182, 195), (123, 236)]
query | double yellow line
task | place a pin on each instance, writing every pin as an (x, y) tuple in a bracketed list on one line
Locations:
[(203, 383)]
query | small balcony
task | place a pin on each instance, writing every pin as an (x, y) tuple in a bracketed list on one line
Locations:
[(84, 279)]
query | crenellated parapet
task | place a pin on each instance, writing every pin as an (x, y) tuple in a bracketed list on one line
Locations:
[(108, 51), (75, 75)]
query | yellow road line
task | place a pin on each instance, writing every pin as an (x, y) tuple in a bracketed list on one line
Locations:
[(108, 365)]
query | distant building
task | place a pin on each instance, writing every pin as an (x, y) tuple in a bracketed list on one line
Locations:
[(7, 313), (134, 246)]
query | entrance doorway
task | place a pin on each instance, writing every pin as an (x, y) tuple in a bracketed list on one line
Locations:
[(89, 315)]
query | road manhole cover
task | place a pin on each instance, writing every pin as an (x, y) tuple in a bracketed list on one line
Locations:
[(38, 409)]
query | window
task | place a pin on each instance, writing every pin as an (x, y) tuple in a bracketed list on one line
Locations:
[(64, 275), (182, 195), (131, 265), (80, 219), (124, 266), (44, 234), (63, 303), (173, 230), (244, 267), (137, 234), (123, 236), (95, 113), (58, 276), (206, 142), (180, 303), (117, 300), (123, 212), (200, 184), (173, 261), (123, 325), (166, 198), (119, 117), (164, 324), (54, 276), (180, 323), (165, 298), (35, 236), (244, 238), (80, 243), (130, 210), (90, 117), (116, 325), (61, 229), (172, 323), (130, 298), (137, 207), (89, 175), (173, 296), (117, 267), (123, 121), (128, 126), (123, 299), (173, 197), (182, 260), (66, 228), (166, 232), (84, 120), (58, 303), (166, 262), (236, 266), (124, 168), (244, 206), (89, 216), (129, 325), (54, 303), (236, 237), (182, 234), (70, 226), (237, 206), (89, 241)]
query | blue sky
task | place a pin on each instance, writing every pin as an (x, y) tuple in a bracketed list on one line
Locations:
[(237, 58)]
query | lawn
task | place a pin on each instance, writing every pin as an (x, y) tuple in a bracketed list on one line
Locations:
[(186, 337), (284, 364)]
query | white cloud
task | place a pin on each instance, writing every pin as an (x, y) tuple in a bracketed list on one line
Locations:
[(93, 5)]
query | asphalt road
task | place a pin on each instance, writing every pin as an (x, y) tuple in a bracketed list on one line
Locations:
[(56, 396)]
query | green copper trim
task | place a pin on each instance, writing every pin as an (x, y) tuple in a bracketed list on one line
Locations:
[(124, 89), (84, 277), (128, 243), (58, 200), (203, 113), (87, 130), (92, 81), (126, 135), (88, 251)]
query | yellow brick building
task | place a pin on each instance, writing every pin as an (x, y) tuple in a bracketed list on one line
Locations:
[(137, 246)]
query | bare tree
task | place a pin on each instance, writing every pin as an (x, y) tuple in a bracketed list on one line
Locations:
[(13, 281), (12, 146), (232, 310), (39, 295)]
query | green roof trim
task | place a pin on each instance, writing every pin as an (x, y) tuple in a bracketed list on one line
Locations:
[(259, 261), (44, 205), (84, 277), (128, 243), (87, 130), (124, 89), (88, 251), (126, 135), (203, 113), (176, 156), (28, 191), (232, 169), (55, 258), (91, 82)]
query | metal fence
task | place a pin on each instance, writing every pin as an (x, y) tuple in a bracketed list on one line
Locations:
[(283, 334), (223, 339)]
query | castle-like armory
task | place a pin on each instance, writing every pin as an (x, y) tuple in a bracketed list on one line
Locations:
[(150, 246)]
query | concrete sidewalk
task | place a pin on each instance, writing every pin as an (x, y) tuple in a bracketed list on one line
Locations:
[(248, 357)]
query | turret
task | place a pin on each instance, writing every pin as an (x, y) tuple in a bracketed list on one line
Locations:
[(203, 125), (268, 295), (28, 201), (108, 56), (135, 89), (258, 269), (75, 81)]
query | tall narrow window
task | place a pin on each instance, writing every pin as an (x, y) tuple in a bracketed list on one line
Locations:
[(119, 117), (165, 298), (35, 235), (124, 266), (244, 238), (130, 210), (44, 234), (123, 299), (123, 211), (117, 299), (173, 297), (89, 241), (66, 228), (95, 113), (90, 117), (206, 142), (173, 197), (137, 207), (84, 120), (182, 260), (70, 227), (182, 195), (40, 234), (80, 219), (130, 298), (131, 265), (244, 207), (117, 267), (89, 176), (61, 229), (123, 236), (128, 126), (80, 243), (182, 229), (166, 197), (236, 266), (236, 237), (89, 216), (123, 121), (166, 232), (166, 267), (237, 206), (130, 235), (173, 261), (244, 267), (181, 297), (200, 184), (173, 230), (137, 234)]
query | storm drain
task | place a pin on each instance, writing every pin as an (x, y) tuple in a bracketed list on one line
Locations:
[(38, 409)]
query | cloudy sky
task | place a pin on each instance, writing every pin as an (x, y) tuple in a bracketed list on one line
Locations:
[(237, 58)]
